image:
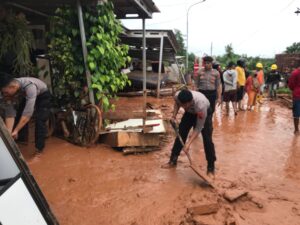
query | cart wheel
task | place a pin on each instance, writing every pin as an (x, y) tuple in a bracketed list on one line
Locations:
[(93, 125)]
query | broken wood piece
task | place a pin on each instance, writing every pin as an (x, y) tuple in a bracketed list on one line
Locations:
[(149, 126), (257, 203), (130, 139), (204, 209), (147, 129), (134, 150), (233, 195), (125, 115), (202, 220)]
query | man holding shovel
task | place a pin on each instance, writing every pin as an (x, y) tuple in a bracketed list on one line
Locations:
[(198, 114)]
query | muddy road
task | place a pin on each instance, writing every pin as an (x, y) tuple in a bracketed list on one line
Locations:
[(256, 152)]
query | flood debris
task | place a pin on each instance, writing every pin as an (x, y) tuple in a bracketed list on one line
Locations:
[(231, 221), (204, 209), (136, 150), (234, 195), (133, 133), (257, 202)]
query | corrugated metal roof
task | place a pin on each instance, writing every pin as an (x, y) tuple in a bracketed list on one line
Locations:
[(143, 8)]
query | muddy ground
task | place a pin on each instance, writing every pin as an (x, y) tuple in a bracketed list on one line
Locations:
[(257, 152)]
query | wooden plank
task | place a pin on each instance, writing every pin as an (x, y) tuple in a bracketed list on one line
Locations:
[(233, 195), (134, 150), (131, 123), (204, 209), (130, 139), (125, 115)]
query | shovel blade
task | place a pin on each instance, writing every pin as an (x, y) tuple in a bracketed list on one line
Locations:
[(203, 177)]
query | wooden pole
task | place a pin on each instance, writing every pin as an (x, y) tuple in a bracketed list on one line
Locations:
[(84, 52), (160, 65), (144, 73)]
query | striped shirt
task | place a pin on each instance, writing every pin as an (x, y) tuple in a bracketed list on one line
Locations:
[(208, 80)]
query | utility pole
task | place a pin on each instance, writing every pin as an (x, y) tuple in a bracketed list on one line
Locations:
[(187, 33)]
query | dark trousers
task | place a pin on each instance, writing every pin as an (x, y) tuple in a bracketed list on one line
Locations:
[(41, 114), (212, 97), (187, 122)]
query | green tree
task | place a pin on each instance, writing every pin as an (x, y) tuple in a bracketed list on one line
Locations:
[(179, 38), (182, 49), (229, 54), (250, 61), (294, 48)]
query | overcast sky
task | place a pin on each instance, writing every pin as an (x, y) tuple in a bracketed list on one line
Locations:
[(253, 27)]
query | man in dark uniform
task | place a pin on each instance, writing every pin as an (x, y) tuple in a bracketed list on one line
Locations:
[(35, 97), (198, 114)]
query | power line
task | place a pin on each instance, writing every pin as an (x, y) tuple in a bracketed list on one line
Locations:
[(288, 5)]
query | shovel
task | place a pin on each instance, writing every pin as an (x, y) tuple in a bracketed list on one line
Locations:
[(176, 129)]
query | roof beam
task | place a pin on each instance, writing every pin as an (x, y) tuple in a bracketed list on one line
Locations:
[(27, 9), (144, 8)]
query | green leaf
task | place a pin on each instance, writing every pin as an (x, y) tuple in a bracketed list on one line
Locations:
[(76, 93), (99, 36), (81, 69), (94, 29), (92, 65), (105, 101), (98, 95), (102, 79), (113, 87), (101, 49), (74, 32)]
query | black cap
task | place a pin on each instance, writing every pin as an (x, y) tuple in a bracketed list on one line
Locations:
[(208, 59), (5, 79)]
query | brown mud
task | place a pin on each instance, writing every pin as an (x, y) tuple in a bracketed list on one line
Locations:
[(257, 152)]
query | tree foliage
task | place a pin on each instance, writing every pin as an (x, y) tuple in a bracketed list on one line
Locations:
[(182, 49), (294, 48), (106, 55), (250, 61), (16, 42)]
